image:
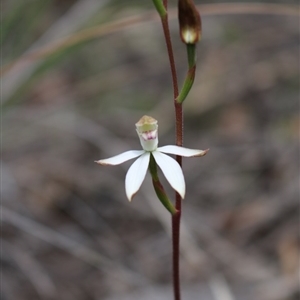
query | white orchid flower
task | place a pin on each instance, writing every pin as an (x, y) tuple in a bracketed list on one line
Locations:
[(147, 129)]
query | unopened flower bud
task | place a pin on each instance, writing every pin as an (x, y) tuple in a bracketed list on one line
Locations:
[(189, 22), (146, 129)]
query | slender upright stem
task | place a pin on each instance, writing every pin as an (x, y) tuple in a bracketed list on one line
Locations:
[(179, 141), (166, 30), (176, 248)]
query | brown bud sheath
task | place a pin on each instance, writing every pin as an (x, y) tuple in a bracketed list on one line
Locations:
[(189, 22)]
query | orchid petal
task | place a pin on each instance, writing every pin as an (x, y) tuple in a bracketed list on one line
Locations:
[(181, 151), (119, 159), (136, 175), (172, 171)]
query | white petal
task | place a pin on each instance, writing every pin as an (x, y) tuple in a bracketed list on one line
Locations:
[(118, 159), (181, 151), (172, 171), (136, 175)]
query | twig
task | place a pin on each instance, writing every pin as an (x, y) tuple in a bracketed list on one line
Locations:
[(220, 288), (75, 248), (71, 21), (33, 270), (18, 71)]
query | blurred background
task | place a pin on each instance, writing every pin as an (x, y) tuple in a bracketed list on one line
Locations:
[(76, 76)]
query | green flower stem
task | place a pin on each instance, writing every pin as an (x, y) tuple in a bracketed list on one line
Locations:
[(190, 76), (160, 8), (160, 192), (192, 55), (187, 85)]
